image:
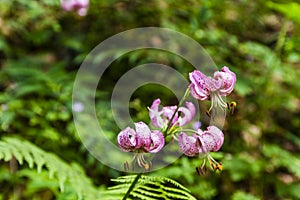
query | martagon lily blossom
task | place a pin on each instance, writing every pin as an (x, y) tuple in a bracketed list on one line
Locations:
[(141, 140), (203, 87), (161, 118), (201, 143), (81, 6)]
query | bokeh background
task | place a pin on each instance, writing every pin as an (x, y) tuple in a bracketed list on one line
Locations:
[(42, 47)]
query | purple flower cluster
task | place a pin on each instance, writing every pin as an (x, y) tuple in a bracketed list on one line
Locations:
[(81, 6), (171, 119)]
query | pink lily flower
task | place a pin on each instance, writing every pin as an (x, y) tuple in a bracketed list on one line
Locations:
[(81, 6), (141, 140), (161, 118), (201, 143), (203, 87)]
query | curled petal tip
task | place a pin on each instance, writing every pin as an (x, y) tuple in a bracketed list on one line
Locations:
[(127, 139)]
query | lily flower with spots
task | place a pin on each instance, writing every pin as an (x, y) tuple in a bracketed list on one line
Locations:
[(141, 140), (160, 118), (201, 143), (203, 87)]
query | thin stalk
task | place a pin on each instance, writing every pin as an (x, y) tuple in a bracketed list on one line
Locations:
[(132, 186), (179, 104)]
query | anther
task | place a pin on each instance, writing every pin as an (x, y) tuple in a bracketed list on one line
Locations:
[(233, 104)]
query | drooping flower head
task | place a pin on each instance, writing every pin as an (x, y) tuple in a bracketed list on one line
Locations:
[(161, 118), (141, 140), (203, 87), (202, 143), (81, 6)]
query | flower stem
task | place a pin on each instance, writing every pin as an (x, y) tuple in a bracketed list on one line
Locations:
[(187, 91), (132, 186)]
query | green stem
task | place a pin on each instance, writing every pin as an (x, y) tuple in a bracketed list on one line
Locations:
[(179, 104), (132, 186)]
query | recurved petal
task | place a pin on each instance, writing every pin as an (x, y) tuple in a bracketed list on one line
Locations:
[(199, 96), (155, 114), (212, 139), (188, 112), (143, 134), (188, 144), (198, 87), (228, 79), (213, 84), (217, 135), (127, 139), (157, 142)]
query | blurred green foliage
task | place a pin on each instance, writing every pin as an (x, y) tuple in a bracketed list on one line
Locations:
[(42, 46)]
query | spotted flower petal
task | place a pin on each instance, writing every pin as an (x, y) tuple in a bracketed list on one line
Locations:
[(127, 139), (212, 139), (143, 135), (189, 145), (157, 142), (198, 86), (228, 79)]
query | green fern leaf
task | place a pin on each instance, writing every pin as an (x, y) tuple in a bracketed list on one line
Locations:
[(72, 174), (150, 188)]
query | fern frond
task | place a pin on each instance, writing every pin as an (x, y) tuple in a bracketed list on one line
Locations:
[(150, 188), (70, 174)]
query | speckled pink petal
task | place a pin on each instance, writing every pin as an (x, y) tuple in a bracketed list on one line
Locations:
[(198, 85), (228, 79), (155, 114), (127, 139), (157, 142), (213, 85), (188, 112), (188, 144), (217, 135), (143, 135), (194, 94), (212, 139)]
